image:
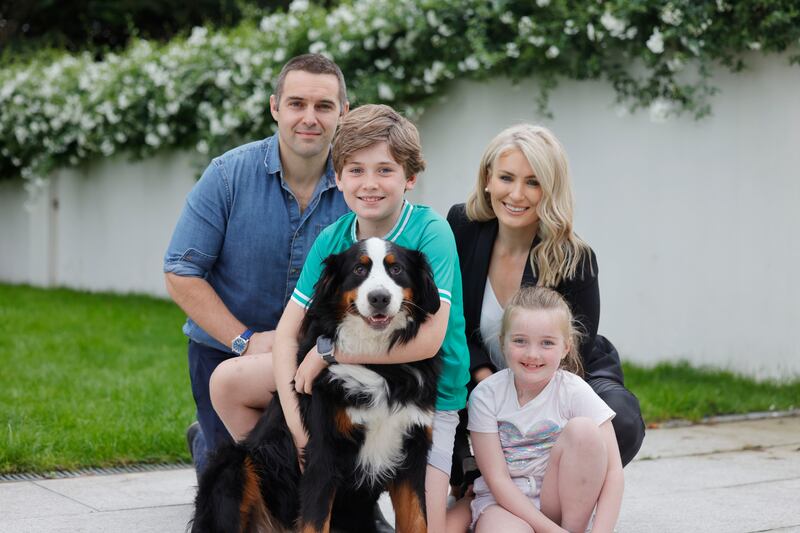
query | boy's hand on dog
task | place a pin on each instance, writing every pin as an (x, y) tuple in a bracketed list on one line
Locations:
[(308, 371)]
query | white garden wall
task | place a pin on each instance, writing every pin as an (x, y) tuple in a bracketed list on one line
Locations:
[(695, 223)]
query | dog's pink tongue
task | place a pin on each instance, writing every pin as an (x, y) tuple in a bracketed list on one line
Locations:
[(379, 319)]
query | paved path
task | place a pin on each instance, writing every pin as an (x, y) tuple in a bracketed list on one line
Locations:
[(735, 477)]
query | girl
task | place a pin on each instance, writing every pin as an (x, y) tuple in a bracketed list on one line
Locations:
[(542, 437)]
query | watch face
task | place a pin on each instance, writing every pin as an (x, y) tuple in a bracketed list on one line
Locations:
[(324, 345), (239, 344)]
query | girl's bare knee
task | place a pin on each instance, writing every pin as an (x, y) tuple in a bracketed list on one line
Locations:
[(583, 432)]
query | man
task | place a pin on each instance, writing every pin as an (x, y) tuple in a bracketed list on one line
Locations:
[(241, 240)]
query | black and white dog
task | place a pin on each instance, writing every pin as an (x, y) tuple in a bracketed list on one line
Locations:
[(369, 426)]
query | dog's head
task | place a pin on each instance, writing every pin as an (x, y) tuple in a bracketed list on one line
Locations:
[(375, 289)]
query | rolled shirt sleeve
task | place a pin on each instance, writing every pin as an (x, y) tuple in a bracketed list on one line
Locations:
[(200, 231)]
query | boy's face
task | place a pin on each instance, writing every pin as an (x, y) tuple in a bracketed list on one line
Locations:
[(374, 187)]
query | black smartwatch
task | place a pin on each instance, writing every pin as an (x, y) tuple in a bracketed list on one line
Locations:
[(325, 349)]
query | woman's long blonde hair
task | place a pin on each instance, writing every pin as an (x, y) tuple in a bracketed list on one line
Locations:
[(560, 251), (544, 299)]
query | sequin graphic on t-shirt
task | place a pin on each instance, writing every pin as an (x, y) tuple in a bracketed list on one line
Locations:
[(519, 449)]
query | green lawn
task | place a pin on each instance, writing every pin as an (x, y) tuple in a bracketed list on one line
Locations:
[(90, 380), (98, 380)]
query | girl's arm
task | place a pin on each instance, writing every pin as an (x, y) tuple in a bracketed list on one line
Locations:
[(492, 464), (610, 500)]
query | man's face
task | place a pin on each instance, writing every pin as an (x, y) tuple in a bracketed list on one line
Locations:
[(308, 112)]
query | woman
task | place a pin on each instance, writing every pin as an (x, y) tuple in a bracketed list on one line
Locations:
[(516, 230)]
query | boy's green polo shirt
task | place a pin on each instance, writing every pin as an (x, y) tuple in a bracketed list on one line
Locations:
[(419, 228)]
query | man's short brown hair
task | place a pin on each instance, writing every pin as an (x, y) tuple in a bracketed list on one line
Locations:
[(374, 123), (314, 64)]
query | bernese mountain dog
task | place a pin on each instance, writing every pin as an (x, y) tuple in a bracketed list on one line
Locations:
[(369, 425)]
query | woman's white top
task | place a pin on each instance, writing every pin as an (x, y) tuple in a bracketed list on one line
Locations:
[(491, 316)]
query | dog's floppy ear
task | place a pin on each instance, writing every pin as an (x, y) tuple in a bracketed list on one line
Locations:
[(427, 295), (328, 282)]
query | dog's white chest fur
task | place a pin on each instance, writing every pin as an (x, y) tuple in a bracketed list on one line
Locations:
[(385, 426)]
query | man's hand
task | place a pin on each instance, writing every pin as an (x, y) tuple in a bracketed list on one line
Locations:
[(261, 342), (308, 371)]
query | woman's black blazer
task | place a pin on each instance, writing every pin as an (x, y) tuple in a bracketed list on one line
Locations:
[(474, 241)]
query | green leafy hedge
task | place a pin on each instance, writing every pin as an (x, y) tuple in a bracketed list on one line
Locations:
[(210, 90)]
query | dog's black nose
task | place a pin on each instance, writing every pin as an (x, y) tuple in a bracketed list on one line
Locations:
[(379, 299)]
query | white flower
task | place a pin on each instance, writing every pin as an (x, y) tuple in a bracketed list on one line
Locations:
[(542, 3), (223, 80), (279, 55), (384, 39), (385, 92), (345, 46), (470, 63), (525, 25), (298, 6), (675, 64), (671, 15), (656, 42), (552, 52), (316, 47), (660, 110), (536, 40), (507, 18), (590, 33), (755, 45), (162, 129), (433, 21), (383, 63), (202, 147), (198, 36), (615, 26), (107, 148), (512, 50), (570, 28), (445, 30), (313, 34), (152, 139), (432, 74)]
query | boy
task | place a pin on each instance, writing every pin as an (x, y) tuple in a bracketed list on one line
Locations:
[(376, 158)]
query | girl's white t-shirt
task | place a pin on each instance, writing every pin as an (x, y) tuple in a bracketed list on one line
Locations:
[(528, 432)]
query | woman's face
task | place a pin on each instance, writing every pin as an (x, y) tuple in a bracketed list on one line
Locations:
[(514, 191)]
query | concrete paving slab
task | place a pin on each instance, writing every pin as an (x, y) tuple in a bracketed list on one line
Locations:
[(710, 438), (746, 508), (145, 520), (25, 499), (127, 491)]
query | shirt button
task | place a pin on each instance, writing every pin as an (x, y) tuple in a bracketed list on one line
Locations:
[(295, 270)]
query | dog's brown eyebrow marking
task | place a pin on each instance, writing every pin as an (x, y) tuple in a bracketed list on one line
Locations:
[(365, 260), (390, 259)]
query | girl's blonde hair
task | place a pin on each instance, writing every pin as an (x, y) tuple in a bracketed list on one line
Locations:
[(543, 299), (560, 251)]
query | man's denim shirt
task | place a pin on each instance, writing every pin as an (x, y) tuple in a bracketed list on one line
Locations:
[(241, 229)]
